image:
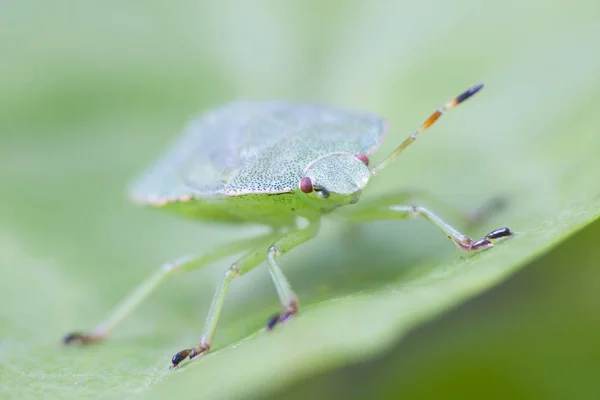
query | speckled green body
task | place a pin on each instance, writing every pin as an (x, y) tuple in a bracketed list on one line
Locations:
[(243, 162)]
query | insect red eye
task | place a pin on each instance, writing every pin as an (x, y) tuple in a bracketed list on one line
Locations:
[(362, 157), (306, 185)]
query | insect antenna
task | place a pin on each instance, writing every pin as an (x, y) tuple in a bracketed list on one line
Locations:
[(430, 121)]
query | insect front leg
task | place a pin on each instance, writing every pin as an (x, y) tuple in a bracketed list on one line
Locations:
[(241, 266), (246, 263), (131, 302), (381, 210), (287, 297)]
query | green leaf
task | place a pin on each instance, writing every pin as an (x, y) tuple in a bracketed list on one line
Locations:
[(532, 337), (91, 93)]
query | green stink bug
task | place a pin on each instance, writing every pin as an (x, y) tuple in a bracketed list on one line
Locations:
[(269, 163)]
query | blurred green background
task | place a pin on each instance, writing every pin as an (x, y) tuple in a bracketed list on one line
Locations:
[(91, 92)]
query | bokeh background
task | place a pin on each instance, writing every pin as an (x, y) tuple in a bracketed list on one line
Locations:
[(91, 92)]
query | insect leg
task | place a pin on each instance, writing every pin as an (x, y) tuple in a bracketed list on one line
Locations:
[(240, 267), (146, 287), (461, 240), (473, 217), (287, 297)]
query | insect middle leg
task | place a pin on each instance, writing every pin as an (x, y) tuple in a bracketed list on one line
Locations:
[(131, 302), (471, 218), (381, 211)]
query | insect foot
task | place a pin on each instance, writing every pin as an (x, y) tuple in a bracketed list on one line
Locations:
[(490, 238), (81, 338), (191, 353), (282, 317)]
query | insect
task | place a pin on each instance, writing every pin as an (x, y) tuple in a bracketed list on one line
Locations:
[(270, 163)]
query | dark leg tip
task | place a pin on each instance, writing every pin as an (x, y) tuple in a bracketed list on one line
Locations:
[(282, 318), (79, 338), (71, 337), (499, 234), (271, 322), (179, 357), (191, 353), (481, 244), (488, 241)]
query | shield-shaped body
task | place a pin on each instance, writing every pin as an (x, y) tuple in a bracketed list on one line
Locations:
[(243, 161)]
